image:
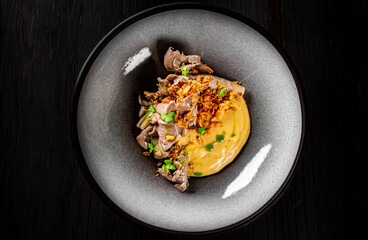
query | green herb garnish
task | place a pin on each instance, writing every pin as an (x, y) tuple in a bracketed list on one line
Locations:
[(163, 116), (220, 137), (151, 147), (168, 165), (184, 69), (197, 173), (168, 117), (150, 110), (222, 92), (201, 130)]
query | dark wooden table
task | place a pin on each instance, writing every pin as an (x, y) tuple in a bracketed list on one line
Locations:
[(44, 43)]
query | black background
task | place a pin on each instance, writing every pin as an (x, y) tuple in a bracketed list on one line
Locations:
[(43, 193)]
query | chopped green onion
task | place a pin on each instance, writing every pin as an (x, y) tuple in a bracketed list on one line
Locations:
[(150, 110), (184, 70), (168, 165), (168, 117), (220, 137), (168, 161), (201, 130), (163, 116), (164, 167), (222, 92), (197, 173), (150, 147)]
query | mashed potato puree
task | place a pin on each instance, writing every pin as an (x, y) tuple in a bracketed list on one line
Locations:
[(221, 144)]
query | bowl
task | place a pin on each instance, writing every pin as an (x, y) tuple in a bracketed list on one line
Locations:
[(105, 107)]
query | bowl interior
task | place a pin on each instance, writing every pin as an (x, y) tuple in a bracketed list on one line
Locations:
[(108, 112)]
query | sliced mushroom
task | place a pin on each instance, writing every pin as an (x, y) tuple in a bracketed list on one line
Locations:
[(165, 107), (142, 111), (180, 176), (173, 60), (143, 137), (143, 102), (183, 105), (165, 130)]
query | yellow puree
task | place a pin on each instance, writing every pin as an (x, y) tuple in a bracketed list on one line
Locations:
[(221, 145)]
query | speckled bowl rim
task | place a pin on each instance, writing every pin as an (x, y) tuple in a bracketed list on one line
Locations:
[(97, 50)]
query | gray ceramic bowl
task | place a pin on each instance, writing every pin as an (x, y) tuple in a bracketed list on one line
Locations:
[(105, 110)]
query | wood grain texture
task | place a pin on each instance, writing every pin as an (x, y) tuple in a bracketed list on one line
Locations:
[(43, 193)]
